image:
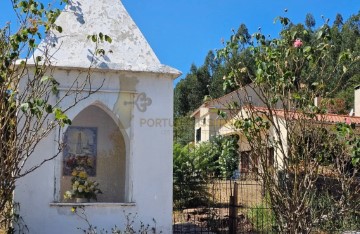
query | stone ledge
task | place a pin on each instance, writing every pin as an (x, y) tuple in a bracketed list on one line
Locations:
[(97, 204)]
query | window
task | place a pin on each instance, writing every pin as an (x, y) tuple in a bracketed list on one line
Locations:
[(95, 144), (198, 134), (249, 99), (244, 161), (271, 157), (248, 160)]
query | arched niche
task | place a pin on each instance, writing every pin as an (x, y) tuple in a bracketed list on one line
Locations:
[(95, 136)]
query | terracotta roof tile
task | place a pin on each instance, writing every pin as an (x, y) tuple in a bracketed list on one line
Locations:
[(329, 118)]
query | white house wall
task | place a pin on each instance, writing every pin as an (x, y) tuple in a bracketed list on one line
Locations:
[(199, 123), (148, 154), (357, 101), (280, 150), (152, 166), (207, 120)]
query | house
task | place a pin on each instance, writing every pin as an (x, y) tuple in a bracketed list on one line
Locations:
[(113, 137), (208, 123), (243, 102)]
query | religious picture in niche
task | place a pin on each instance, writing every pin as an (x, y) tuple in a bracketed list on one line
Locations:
[(80, 150)]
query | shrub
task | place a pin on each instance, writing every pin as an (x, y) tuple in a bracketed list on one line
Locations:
[(190, 175), (196, 165)]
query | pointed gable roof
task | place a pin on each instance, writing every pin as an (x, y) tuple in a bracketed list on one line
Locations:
[(129, 50)]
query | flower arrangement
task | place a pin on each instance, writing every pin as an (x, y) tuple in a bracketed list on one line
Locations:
[(72, 162), (82, 187)]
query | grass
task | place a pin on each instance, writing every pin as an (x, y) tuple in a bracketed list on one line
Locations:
[(261, 216)]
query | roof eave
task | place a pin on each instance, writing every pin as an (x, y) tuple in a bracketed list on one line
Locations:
[(112, 67)]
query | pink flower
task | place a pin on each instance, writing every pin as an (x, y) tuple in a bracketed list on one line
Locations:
[(347, 121), (298, 43)]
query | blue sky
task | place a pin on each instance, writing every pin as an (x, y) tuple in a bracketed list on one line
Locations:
[(181, 32)]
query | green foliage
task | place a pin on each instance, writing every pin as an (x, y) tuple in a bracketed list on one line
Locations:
[(323, 58), (190, 175), (190, 92), (326, 143), (184, 130), (326, 203), (27, 106), (338, 20), (207, 80), (31, 104), (36, 18), (195, 166), (323, 62), (346, 134), (225, 155), (310, 20), (290, 71), (16, 105)]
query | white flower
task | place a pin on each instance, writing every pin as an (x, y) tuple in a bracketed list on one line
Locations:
[(68, 195)]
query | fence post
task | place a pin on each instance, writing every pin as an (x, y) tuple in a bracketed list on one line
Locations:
[(233, 211)]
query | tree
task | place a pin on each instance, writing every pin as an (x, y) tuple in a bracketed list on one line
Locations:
[(29, 110), (181, 103), (243, 35), (237, 53), (346, 38), (227, 159), (184, 130), (206, 81), (338, 20), (190, 92), (211, 63), (290, 73), (191, 175), (310, 21)]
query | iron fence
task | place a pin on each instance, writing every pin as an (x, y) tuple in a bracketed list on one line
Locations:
[(224, 206)]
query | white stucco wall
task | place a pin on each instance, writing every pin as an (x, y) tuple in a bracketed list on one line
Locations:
[(148, 139), (202, 121), (357, 101)]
